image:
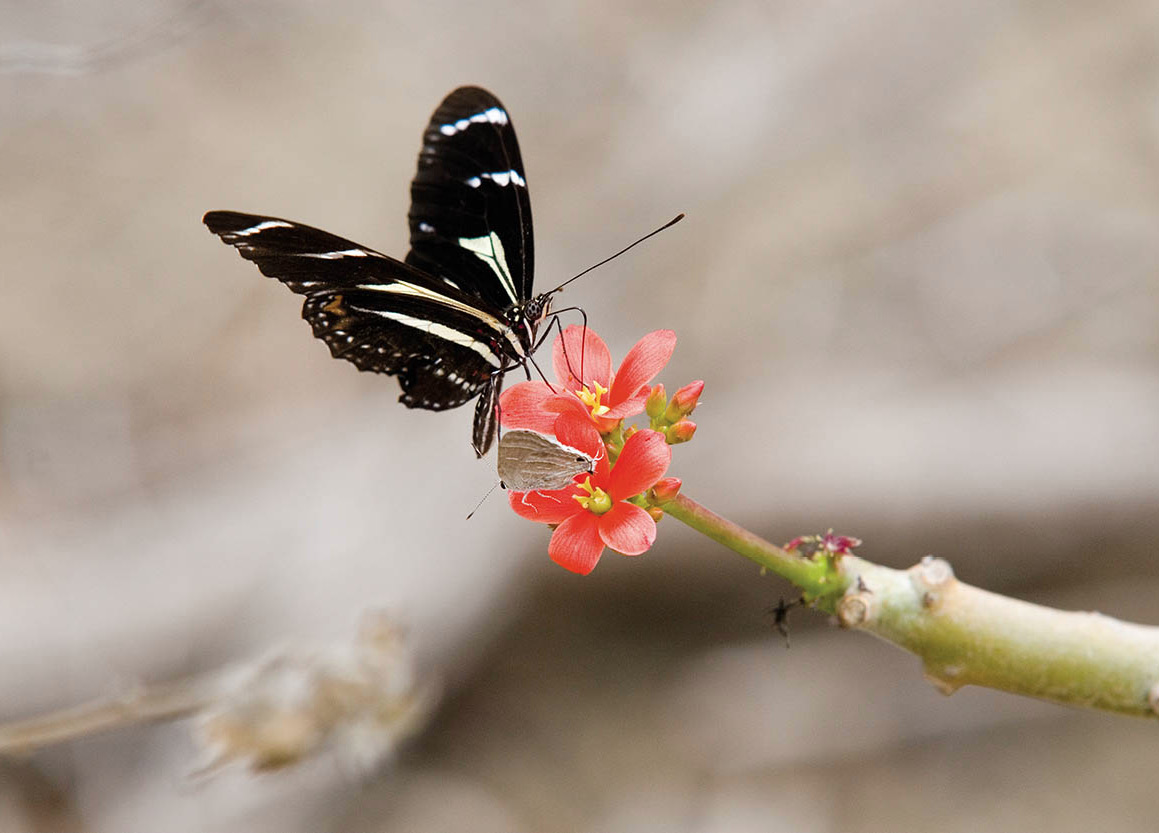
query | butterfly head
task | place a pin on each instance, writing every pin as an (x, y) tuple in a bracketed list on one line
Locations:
[(527, 318)]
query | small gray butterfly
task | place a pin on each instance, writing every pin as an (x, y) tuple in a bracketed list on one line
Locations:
[(530, 461)]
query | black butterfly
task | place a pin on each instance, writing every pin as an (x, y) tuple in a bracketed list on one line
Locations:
[(458, 314)]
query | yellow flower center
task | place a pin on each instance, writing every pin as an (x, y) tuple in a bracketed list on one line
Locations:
[(592, 399), (596, 501)]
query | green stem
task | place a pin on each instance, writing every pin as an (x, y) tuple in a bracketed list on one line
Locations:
[(965, 635), (816, 577)]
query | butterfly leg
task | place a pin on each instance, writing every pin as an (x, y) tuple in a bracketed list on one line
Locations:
[(539, 371), (535, 347), (559, 329), (547, 330)]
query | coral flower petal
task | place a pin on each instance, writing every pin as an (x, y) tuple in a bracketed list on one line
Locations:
[(547, 506), (627, 529), (576, 543), (579, 433), (566, 403), (629, 407), (524, 406), (585, 351), (646, 359), (642, 463)]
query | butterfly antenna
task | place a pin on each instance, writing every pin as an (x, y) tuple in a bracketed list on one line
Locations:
[(671, 222), (494, 486)]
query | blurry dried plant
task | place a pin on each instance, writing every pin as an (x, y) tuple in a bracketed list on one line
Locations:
[(356, 700)]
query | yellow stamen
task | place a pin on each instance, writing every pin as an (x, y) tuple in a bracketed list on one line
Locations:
[(596, 501), (592, 400)]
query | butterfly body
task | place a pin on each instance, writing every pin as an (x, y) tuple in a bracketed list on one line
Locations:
[(458, 313)]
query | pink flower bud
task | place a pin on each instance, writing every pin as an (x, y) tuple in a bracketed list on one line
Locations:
[(686, 399), (665, 490), (680, 432)]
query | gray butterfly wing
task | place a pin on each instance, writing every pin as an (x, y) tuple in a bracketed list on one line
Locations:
[(530, 461)]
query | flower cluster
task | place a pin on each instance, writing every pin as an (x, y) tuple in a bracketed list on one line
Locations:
[(617, 504)]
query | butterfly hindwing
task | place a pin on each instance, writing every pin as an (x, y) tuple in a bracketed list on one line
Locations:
[(487, 415), (434, 374), (470, 216)]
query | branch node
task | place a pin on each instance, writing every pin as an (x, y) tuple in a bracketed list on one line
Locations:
[(929, 577), (855, 610)]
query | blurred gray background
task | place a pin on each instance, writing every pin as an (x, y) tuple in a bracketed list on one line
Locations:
[(918, 274)]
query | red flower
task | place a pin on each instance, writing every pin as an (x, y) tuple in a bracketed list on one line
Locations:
[(595, 513), (603, 397)]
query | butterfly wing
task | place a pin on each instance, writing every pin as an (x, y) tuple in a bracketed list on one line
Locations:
[(470, 215), (376, 312)]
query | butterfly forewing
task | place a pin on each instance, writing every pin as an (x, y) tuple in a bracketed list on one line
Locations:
[(529, 461), (470, 216)]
